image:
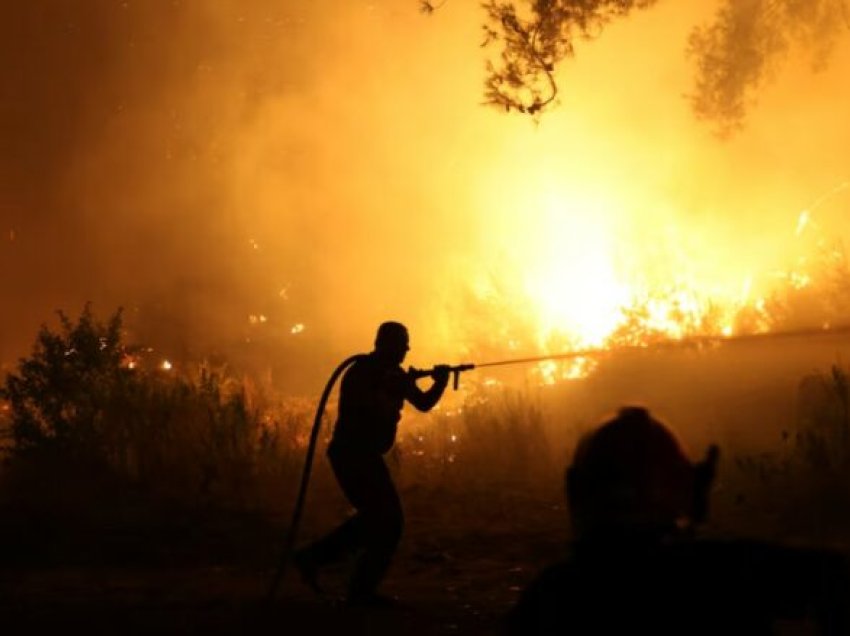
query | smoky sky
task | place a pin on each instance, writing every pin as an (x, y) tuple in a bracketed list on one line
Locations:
[(272, 178), (118, 121)]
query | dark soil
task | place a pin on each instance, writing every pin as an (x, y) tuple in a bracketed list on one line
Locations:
[(138, 568)]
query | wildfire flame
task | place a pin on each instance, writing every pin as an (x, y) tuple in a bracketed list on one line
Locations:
[(582, 291)]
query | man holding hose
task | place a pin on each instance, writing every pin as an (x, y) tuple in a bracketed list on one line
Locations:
[(372, 394)]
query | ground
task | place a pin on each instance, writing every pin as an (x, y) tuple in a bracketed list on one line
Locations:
[(461, 565)]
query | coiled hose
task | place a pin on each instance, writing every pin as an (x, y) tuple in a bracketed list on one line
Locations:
[(292, 532)]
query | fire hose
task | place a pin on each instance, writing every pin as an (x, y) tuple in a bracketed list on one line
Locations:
[(292, 532), (696, 341)]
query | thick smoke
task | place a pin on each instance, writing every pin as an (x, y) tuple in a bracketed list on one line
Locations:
[(227, 172), (231, 171)]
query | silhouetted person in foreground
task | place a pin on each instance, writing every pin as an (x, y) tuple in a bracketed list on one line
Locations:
[(637, 568), (372, 394)]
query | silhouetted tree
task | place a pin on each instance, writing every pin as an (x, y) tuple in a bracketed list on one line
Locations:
[(734, 54), (534, 37), (746, 42)]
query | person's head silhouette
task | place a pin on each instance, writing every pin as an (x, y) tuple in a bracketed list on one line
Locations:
[(392, 342), (631, 491), (631, 477)]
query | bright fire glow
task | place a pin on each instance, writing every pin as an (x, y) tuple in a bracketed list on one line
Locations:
[(590, 277), (573, 280)]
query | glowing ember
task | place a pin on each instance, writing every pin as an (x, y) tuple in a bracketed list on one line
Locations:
[(297, 328), (552, 371), (166, 365)]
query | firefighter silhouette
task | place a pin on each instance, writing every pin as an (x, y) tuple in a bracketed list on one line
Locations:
[(636, 565), (372, 394)]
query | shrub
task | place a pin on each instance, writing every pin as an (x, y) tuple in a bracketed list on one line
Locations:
[(205, 437), (823, 435), (804, 489), (59, 395), (493, 441)]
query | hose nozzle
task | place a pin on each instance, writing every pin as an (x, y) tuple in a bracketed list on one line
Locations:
[(455, 371)]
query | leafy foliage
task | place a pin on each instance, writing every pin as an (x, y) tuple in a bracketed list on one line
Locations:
[(803, 488), (61, 392), (823, 438), (734, 54), (207, 437), (534, 41), (427, 7), (743, 46)]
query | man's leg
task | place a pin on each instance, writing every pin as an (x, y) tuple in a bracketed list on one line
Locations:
[(366, 483), (381, 523), (336, 545), (346, 538), (333, 547)]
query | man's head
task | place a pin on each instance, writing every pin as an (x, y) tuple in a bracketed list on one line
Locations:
[(631, 476), (392, 342)]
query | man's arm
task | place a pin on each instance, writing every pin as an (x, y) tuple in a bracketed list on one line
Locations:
[(426, 400)]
